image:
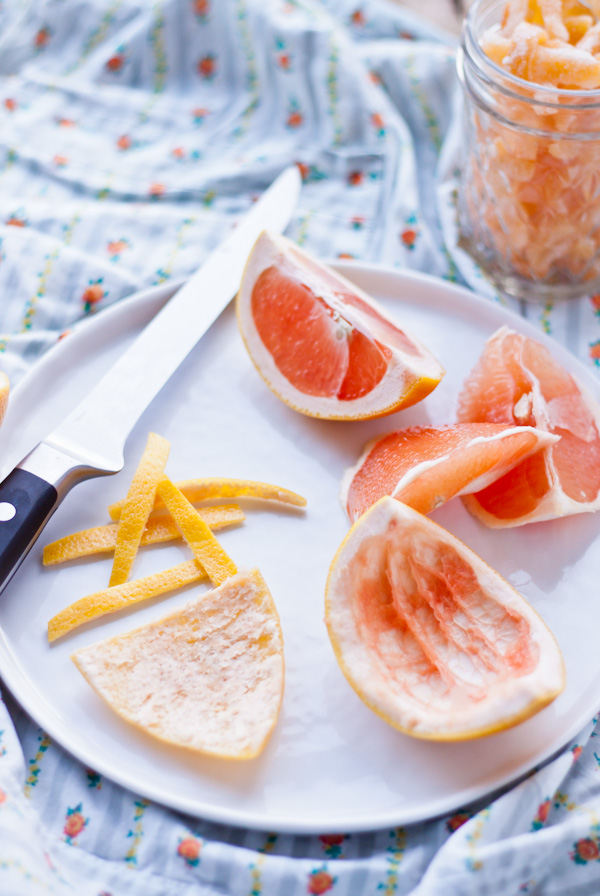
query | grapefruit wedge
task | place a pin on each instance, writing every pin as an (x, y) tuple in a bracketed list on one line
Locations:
[(429, 636), (322, 345), (207, 677), (517, 381), (425, 466)]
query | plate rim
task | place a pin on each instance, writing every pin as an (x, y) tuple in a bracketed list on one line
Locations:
[(25, 693)]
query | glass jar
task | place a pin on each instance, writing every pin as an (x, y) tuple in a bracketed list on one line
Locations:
[(529, 189)]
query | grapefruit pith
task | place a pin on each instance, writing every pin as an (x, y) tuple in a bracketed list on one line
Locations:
[(425, 466), (429, 636), (322, 345), (517, 382)]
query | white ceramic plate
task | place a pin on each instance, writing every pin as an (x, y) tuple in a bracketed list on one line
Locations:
[(331, 764)]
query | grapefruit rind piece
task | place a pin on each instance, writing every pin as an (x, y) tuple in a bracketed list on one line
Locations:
[(159, 528), (208, 677), (411, 374), (517, 380), (430, 637), (203, 544), (197, 490), (137, 506), (425, 466), (118, 597)]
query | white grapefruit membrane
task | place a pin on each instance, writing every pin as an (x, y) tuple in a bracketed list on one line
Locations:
[(208, 677), (429, 636)]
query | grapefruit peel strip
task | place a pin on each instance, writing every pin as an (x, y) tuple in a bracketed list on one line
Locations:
[(196, 490), (119, 596), (159, 528), (203, 544), (137, 507)]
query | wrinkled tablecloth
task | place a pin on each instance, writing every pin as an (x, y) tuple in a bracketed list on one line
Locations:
[(132, 136)]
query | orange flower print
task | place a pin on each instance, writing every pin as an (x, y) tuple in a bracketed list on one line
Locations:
[(585, 850), (189, 849), (157, 189), (74, 823), (377, 122), (65, 122), (294, 119), (16, 220), (357, 18), (595, 352), (332, 844), (357, 222), (60, 161), (116, 247), (94, 779), (178, 152), (116, 62), (201, 9), (320, 881), (347, 255), (409, 237), (124, 142), (207, 66), (10, 104), (304, 171), (541, 815), (3, 796), (42, 37), (576, 751), (199, 115), (355, 178), (94, 293), (456, 821), (595, 300)]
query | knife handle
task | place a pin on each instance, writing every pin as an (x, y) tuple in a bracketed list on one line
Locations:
[(30, 494), (26, 503)]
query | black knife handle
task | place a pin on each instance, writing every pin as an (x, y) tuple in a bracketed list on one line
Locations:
[(30, 494), (26, 503)]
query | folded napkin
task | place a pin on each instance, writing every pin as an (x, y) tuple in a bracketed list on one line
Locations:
[(132, 137)]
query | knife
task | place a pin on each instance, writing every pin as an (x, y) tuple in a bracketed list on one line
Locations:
[(90, 441)]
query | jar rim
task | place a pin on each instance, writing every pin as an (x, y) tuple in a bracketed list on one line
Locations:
[(519, 83)]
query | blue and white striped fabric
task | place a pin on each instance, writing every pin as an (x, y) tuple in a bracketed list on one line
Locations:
[(132, 136)]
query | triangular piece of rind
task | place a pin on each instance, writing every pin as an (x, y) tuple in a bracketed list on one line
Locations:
[(208, 677)]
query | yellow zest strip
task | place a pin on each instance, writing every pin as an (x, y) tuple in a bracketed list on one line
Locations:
[(203, 489), (159, 528), (137, 507), (112, 599), (205, 547)]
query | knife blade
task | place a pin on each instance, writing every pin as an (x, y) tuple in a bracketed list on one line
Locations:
[(90, 441)]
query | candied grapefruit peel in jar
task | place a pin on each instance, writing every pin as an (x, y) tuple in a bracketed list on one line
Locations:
[(529, 187)]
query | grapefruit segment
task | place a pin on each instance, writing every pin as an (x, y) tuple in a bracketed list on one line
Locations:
[(517, 381), (429, 636), (323, 346), (425, 466)]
